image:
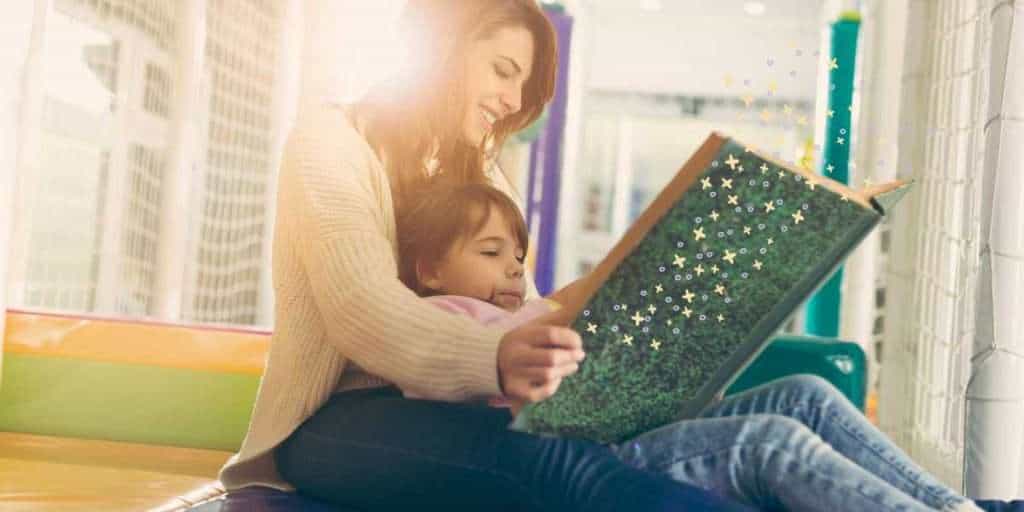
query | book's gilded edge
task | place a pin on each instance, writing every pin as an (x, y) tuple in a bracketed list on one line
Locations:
[(820, 180)]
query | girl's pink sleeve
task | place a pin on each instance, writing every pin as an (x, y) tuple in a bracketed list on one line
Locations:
[(490, 315)]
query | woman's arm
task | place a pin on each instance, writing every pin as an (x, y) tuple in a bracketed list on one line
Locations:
[(335, 200), (348, 260)]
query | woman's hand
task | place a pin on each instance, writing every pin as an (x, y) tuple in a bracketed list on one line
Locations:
[(533, 359)]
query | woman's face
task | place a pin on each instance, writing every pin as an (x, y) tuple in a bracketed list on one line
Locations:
[(496, 69), (486, 266)]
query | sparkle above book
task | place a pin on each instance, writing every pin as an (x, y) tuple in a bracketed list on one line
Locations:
[(697, 286)]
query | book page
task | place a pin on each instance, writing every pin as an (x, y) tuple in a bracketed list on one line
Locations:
[(862, 196), (574, 296)]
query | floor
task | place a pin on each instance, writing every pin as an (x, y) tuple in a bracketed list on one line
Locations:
[(42, 474)]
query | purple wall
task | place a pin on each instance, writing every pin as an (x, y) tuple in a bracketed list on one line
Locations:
[(544, 184)]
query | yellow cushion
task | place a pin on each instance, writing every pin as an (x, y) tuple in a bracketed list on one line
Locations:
[(40, 473)]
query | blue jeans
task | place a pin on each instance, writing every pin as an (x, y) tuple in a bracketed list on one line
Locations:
[(793, 444), (374, 450), (768, 447)]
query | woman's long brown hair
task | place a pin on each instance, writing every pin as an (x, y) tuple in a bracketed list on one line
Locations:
[(424, 104)]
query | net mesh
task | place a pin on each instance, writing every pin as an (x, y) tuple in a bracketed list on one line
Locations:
[(140, 230), (94, 185), (932, 265), (241, 59)]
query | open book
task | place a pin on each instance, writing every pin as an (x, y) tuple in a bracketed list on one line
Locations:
[(696, 288)]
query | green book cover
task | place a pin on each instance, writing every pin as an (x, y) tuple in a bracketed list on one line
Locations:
[(697, 286)]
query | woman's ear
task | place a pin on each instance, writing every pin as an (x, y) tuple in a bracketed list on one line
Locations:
[(428, 276)]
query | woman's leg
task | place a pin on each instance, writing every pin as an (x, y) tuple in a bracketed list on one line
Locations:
[(770, 461), (815, 402), (378, 450)]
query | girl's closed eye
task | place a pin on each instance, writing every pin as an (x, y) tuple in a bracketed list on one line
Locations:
[(500, 72)]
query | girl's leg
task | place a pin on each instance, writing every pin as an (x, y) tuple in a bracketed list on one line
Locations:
[(770, 461), (378, 450), (815, 402)]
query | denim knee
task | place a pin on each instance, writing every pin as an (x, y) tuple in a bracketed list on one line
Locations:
[(813, 387), (554, 451), (777, 430)]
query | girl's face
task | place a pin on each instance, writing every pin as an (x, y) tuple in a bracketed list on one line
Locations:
[(496, 69), (487, 266)]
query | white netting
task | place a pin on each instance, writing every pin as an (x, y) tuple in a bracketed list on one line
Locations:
[(994, 444), (15, 38), (67, 147), (933, 262), (939, 233), (140, 229), (241, 59), (106, 146)]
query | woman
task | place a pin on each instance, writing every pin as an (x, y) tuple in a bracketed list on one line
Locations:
[(330, 418)]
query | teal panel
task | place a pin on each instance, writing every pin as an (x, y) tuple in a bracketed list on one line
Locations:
[(840, 362), (823, 307)]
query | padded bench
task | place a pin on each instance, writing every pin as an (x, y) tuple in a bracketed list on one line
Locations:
[(114, 415)]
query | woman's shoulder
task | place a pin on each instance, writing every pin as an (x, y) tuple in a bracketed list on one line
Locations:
[(325, 133), (330, 163), (329, 123)]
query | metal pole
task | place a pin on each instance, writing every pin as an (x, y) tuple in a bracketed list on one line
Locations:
[(26, 165), (17, 40), (823, 307), (546, 154), (286, 93), (182, 163), (878, 129)]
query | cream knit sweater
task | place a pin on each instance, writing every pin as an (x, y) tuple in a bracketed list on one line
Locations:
[(342, 318)]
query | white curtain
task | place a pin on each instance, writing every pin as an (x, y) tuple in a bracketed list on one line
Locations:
[(952, 379), (995, 395), (15, 43)]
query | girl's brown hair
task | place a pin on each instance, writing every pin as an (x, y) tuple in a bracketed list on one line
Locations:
[(423, 106), (447, 214)]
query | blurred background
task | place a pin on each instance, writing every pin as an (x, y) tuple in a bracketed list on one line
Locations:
[(140, 140)]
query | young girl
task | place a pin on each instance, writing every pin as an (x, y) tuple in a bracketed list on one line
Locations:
[(465, 245), (463, 248), (349, 337)]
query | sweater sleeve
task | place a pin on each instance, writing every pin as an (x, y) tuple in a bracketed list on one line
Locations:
[(368, 314)]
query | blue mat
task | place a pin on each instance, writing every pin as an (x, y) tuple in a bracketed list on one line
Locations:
[(262, 499), (1001, 506)]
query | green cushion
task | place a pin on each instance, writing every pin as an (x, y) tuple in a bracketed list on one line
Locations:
[(198, 409), (125, 402), (840, 362)]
